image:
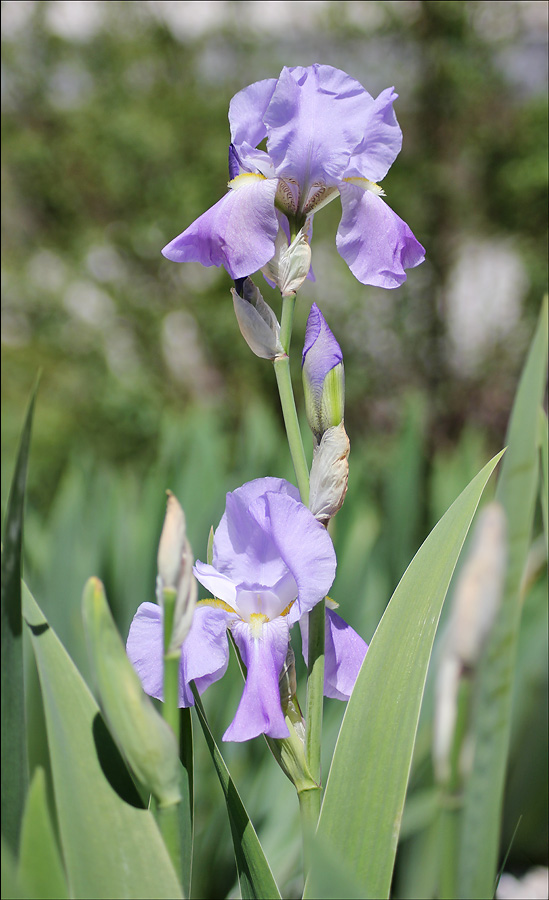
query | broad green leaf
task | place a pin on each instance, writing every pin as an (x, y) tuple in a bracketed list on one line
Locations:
[(14, 743), (40, 865), (12, 887), (364, 798), (145, 740), (111, 845), (516, 491), (254, 873)]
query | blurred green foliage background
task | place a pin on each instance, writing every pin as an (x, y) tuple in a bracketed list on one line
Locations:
[(115, 138)]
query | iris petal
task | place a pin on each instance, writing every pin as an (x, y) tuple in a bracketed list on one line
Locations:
[(315, 121), (374, 242), (344, 652), (204, 655), (259, 710), (382, 140), (238, 232)]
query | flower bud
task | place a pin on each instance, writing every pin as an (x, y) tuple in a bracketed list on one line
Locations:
[(480, 586), (290, 265), (175, 565), (323, 375), (143, 737), (476, 602), (256, 320), (329, 474)]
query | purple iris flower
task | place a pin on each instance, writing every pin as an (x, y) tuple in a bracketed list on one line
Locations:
[(326, 136), (272, 562)]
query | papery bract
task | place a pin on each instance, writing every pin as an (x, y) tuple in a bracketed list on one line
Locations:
[(326, 136)]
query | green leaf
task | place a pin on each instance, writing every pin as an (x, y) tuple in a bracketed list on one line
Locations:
[(516, 491), (364, 798), (145, 740), (12, 887), (111, 845), (186, 807), (254, 873), (40, 865), (14, 779)]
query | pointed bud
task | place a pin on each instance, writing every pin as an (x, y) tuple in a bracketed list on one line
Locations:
[(172, 541), (329, 474), (290, 265), (256, 320), (323, 375), (175, 565), (475, 606), (480, 586), (143, 737)]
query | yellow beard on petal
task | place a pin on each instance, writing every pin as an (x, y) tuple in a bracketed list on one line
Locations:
[(257, 621)]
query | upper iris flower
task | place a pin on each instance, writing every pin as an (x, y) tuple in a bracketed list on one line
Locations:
[(272, 562), (326, 136)]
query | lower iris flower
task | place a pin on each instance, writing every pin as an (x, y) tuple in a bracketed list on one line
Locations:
[(272, 562)]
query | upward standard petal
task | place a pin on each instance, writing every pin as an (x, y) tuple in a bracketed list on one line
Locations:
[(314, 122), (240, 547), (382, 139), (238, 232), (374, 242), (306, 548), (246, 111), (259, 710)]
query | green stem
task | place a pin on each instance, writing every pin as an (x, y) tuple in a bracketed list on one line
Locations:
[(168, 817), (451, 798), (168, 822), (315, 692), (315, 682), (285, 390), (309, 808)]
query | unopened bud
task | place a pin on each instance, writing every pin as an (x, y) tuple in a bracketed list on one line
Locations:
[(172, 542), (480, 586), (290, 265), (143, 737), (323, 375), (329, 474), (256, 320), (475, 606), (175, 564)]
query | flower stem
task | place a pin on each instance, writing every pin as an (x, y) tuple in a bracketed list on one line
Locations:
[(309, 808), (315, 683), (315, 693), (168, 817), (289, 412)]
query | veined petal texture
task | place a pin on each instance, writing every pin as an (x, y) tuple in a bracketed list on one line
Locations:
[(315, 120), (239, 232), (204, 654), (374, 242), (344, 652), (259, 710)]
